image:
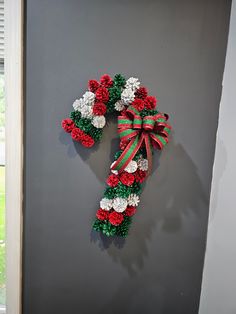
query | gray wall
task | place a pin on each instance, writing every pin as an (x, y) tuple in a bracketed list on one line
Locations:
[(219, 276), (177, 49)]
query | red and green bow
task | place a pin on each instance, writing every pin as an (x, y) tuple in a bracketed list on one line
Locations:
[(150, 131)]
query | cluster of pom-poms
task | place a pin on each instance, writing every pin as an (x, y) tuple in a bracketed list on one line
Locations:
[(105, 96), (121, 196)]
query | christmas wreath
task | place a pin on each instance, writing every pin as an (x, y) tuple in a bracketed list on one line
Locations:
[(141, 128)]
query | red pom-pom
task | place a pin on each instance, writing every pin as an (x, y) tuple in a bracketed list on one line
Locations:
[(87, 141), (102, 214), (138, 104), (140, 175), (77, 134), (106, 80), (127, 178), (150, 102), (102, 94), (93, 85), (141, 93), (113, 180), (130, 211), (116, 218), (68, 125), (123, 144), (99, 109)]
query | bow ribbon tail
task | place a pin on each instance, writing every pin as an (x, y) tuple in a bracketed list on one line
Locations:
[(160, 141), (148, 146), (129, 153)]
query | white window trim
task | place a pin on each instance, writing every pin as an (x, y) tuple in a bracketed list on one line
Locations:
[(14, 152), (2, 309)]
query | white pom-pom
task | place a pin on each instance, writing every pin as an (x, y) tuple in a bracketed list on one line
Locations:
[(127, 96), (106, 203), (86, 112), (99, 122), (131, 167), (78, 104), (119, 204), (133, 200), (89, 98), (143, 164), (119, 105), (114, 171), (132, 83)]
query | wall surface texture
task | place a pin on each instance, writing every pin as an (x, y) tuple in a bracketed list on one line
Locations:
[(177, 49), (219, 279)]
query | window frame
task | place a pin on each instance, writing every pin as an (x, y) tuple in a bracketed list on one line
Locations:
[(13, 64)]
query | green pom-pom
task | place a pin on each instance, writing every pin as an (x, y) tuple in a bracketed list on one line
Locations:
[(114, 93), (141, 153), (137, 156), (147, 112), (110, 193), (117, 155), (110, 107), (119, 80), (136, 188), (98, 225), (123, 229), (108, 229), (114, 96), (122, 190), (84, 124), (75, 116), (95, 133), (105, 227)]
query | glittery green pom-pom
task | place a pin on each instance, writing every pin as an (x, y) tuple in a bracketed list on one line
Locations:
[(114, 96), (117, 155), (119, 80), (108, 229), (105, 227), (122, 190), (136, 188), (109, 193), (138, 155), (148, 112), (142, 153), (84, 124), (95, 133), (98, 225), (75, 116), (123, 229)]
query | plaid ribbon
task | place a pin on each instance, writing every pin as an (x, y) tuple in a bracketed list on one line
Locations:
[(150, 131)]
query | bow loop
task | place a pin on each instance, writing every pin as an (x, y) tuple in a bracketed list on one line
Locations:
[(149, 123)]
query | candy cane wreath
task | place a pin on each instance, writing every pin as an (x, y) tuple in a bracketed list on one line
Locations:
[(141, 128)]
